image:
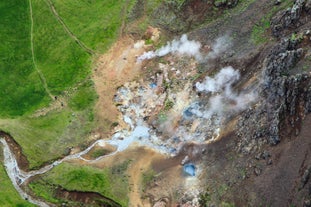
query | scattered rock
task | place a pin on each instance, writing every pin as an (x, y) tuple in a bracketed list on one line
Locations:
[(225, 3), (265, 155), (287, 99), (305, 177), (257, 171), (161, 203), (277, 2), (307, 203)]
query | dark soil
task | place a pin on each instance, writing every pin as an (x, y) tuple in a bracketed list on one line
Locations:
[(85, 198), (14, 146)]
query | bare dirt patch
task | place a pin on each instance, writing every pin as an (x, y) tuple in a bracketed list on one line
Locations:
[(140, 162), (87, 198), (112, 70)]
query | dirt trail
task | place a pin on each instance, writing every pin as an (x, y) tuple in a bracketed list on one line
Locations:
[(60, 20), (42, 78), (141, 165), (112, 70)]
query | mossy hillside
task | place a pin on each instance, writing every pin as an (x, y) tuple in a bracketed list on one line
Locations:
[(111, 183), (83, 97)]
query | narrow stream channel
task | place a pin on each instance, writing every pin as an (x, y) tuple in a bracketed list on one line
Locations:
[(18, 176)]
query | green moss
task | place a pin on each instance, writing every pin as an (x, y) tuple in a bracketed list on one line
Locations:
[(147, 178), (258, 35), (260, 29), (43, 190), (99, 152)]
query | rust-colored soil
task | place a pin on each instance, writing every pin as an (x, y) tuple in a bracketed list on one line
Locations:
[(112, 70)]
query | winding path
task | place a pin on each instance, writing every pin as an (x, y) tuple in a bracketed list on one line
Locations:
[(18, 176), (42, 78), (60, 20)]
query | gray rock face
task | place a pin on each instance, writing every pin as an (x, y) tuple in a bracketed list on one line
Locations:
[(226, 3), (290, 18), (275, 88), (308, 7), (286, 99)]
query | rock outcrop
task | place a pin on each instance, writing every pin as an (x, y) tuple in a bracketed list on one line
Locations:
[(291, 18), (286, 98)]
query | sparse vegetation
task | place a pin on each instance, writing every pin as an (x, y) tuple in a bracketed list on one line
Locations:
[(168, 104), (258, 35), (260, 30), (147, 178)]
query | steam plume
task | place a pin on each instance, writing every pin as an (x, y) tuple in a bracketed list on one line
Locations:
[(183, 46), (221, 45), (223, 99)]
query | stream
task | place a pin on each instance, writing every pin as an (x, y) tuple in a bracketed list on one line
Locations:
[(136, 103), (18, 176)]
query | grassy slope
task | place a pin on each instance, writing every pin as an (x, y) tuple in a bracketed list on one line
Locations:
[(21, 88), (47, 138), (111, 183), (96, 23), (62, 61)]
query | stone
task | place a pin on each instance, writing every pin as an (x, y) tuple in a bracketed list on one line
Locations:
[(305, 177), (257, 171), (289, 18)]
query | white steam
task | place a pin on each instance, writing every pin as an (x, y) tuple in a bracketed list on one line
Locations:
[(183, 46), (223, 99), (224, 79), (221, 45), (191, 48)]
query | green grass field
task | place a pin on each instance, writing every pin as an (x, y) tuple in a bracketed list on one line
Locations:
[(21, 89), (111, 183), (96, 23), (48, 138), (61, 60)]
